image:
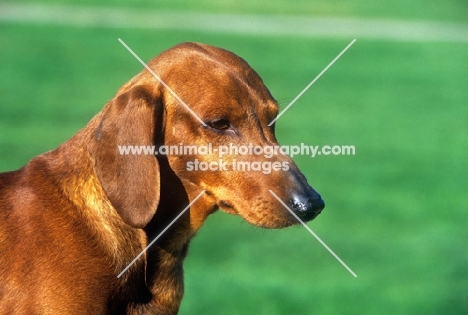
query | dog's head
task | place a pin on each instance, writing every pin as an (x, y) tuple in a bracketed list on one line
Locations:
[(210, 114)]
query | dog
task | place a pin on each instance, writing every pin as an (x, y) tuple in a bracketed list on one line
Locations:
[(73, 218)]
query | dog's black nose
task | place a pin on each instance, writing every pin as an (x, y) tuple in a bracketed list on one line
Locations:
[(307, 207)]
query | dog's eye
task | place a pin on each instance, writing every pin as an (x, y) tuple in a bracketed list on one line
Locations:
[(219, 124)]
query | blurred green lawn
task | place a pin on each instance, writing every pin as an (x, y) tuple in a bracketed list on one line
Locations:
[(396, 211)]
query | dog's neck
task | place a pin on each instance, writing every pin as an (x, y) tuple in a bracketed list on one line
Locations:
[(165, 257), (164, 273)]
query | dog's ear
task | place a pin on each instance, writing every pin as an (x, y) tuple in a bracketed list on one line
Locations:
[(130, 179)]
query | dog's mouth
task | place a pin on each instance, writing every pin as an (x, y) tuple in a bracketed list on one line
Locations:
[(267, 214), (227, 207), (224, 205)]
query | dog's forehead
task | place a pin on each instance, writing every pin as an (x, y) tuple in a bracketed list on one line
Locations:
[(194, 59), (212, 75), (207, 54)]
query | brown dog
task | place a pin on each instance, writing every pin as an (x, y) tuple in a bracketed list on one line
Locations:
[(72, 219)]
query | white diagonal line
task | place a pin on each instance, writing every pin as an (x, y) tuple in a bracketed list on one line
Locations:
[(313, 234), (157, 237), (313, 81), (162, 82)]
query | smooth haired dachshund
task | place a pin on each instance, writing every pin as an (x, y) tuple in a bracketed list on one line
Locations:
[(73, 218)]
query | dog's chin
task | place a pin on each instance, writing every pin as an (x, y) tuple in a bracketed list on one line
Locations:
[(268, 221)]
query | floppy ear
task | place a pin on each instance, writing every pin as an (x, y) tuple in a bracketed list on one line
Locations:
[(130, 181)]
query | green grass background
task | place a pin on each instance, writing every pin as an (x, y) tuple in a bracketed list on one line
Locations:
[(396, 211)]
